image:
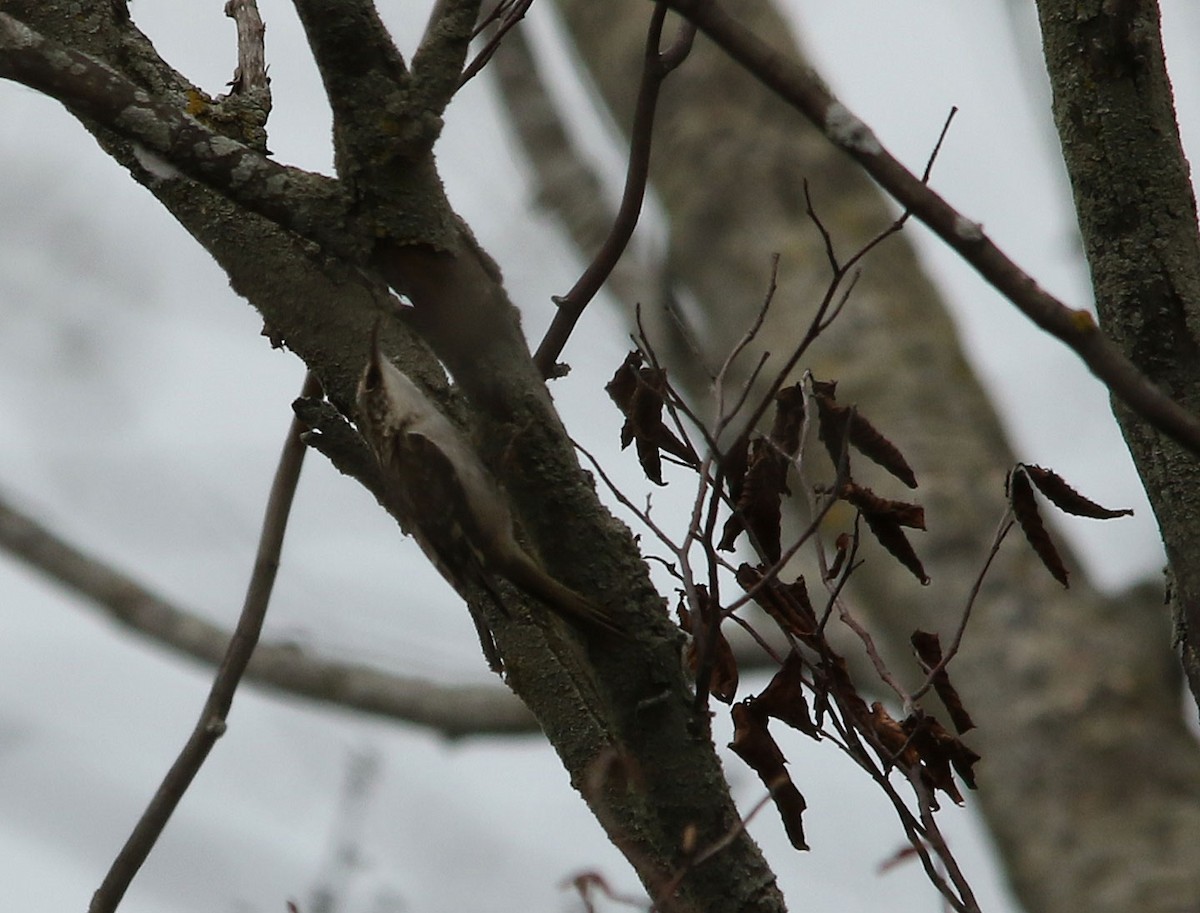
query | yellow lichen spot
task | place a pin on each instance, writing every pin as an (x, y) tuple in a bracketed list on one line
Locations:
[(197, 103), (1083, 320)]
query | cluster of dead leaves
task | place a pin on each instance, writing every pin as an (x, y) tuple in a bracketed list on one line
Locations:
[(639, 392), (917, 744), (754, 474)]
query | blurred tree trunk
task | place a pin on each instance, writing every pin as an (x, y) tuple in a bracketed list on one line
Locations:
[(1090, 782)]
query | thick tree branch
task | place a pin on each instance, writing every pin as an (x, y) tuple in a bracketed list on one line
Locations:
[(802, 90), (170, 143), (437, 66), (384, 126)]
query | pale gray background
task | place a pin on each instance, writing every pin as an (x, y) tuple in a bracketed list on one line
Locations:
[(142, 414)]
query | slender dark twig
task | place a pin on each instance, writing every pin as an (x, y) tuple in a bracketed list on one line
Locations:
[(1006, 525), (657, 66), (211, 725), (500, 21)]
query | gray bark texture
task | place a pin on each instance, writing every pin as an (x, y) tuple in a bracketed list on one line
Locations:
[(1137, 213), (1090, 781)]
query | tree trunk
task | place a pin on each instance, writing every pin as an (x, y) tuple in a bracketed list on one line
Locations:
[(1137, 213)]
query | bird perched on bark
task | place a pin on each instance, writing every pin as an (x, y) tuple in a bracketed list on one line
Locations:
[(456, 509)]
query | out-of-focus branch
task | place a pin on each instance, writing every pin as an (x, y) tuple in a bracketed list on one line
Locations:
[(169, 142), (656, 67), (807, 94), (454, 711)]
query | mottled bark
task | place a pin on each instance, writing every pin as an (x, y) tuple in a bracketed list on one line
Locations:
[(1137, 213)]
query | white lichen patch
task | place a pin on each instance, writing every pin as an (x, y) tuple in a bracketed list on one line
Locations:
[(849, 132), (157, 166), (968, 230)]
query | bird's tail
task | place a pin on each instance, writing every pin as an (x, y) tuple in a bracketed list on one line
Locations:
[(529, 577)]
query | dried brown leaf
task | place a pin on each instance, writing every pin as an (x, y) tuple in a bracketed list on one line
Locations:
[(787, 604), (902, 512), (929, 652), (639, 392), (723, 674), (886, 520), (789, 420), (941, 755), (758, 507), (1025, 509), (832, 676), (1066, 498), (734, 464), (783, 698), (898, 748), (753, 744), (839, 424)]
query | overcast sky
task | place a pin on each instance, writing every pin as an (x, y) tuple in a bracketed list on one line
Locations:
[(143, 414)]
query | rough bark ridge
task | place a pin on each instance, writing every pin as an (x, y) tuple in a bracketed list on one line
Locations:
[(620, 718), (1090, 782), (1137, 213)]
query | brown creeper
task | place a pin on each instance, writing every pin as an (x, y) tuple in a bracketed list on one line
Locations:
[(457, 512)]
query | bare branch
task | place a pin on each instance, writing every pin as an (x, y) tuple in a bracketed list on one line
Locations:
[(251, 73), (657, 66), (437, 66), (1076, 328), (169, 143), (454, 711), (568, 186), (211, 725)]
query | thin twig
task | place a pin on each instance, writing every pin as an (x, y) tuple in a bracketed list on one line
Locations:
[(657, 66), (211, 724), (1006, 525), (506, 15)]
